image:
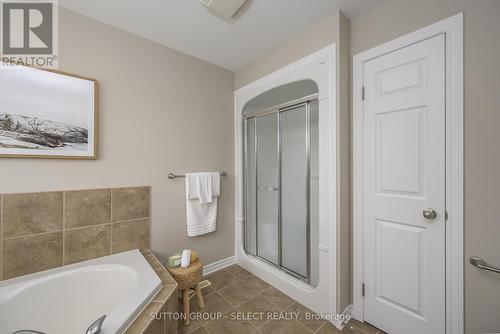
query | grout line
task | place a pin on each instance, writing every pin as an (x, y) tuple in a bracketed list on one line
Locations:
[(54, 231), (33, 234), (149, 214), (130, 220), (84, 227), (111, 222), (320, 327), (64, 229)]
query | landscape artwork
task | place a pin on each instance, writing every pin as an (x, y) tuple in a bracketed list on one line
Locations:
[(46, 114)]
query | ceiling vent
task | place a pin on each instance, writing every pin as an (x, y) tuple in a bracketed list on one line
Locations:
[(225, 8)]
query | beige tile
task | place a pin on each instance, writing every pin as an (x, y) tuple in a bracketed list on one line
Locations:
[(25, 214), (256, 283), (207, 291), (221, 279), (87, 207), (130, 203), (194, 327), (165, 293), (361, 327), (329, 328), (237, 293), (260, 307), (86, 243), (166, 278), (307, 317), (26, 255), (143, 319), (237, 271), (284, 327), (170, 308), (199, 330), (213, 304), (130, 235), (157, 326), (229, 325), (277, 297), (152, 260)]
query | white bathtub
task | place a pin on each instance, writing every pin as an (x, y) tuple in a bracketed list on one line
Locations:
[(68, 299)]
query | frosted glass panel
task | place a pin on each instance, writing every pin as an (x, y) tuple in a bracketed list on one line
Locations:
[(267, 186), (286, 135), (250, 195), (294, 190)]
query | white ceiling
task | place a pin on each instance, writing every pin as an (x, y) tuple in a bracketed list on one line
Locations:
[(187, 26)]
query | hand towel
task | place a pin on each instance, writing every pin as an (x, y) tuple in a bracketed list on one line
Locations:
[(192, 190), (201, 202), (204, 185)]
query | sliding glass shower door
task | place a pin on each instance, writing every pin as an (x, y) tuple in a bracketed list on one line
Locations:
[(279, 166), (267, 188)]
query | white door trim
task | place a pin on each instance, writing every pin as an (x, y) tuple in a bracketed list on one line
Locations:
[(453, 29)]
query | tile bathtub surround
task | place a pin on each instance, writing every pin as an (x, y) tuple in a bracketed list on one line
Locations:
[(26, 214), (165, 302), (40, 231)]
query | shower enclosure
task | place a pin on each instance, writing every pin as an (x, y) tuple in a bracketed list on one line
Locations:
[(281, 175)]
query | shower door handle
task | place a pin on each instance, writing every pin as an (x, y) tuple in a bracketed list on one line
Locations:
[(268, 188)]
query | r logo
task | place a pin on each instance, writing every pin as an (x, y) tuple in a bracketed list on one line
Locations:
[(27, 28)]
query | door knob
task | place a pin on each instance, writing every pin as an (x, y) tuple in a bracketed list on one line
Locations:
[(429, 213)]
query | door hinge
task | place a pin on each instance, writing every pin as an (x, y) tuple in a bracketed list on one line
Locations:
[(362, 93), (362, 289)]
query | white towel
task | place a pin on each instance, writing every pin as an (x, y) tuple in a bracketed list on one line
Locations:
[(202, 190), (193, 186)]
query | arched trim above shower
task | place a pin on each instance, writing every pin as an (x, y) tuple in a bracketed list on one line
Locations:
[(281, 96), (309, 79)]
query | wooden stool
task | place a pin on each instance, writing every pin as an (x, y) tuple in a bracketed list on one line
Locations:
[(189, 278)]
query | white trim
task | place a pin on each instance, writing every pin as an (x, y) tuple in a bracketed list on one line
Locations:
[(453, 29), (321, 67), (218, 265), (344, 318)]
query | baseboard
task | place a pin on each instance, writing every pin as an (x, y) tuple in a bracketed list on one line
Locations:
[(218, 265), (344, 319)]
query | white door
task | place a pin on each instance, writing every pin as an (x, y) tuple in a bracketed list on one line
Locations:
[(403, 175)]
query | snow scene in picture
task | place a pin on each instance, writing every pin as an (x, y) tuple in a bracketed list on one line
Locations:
[(18, 131), (45, 113)]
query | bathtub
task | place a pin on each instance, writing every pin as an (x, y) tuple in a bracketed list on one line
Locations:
[(67, 300)]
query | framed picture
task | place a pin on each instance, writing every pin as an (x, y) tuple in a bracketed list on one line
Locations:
[(47, 114)]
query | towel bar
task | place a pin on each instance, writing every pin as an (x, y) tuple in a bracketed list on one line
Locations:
[(478, 262), (174, 176)]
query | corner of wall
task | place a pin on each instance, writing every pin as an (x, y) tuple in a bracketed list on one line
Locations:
[(344, 267)]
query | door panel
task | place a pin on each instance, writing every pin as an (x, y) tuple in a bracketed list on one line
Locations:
[(267, 187), (404, 173), (294, 174), (399, 151), (250, 189)]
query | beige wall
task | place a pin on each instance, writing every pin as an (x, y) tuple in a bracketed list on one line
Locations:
[(482, 123), (318, 36), (344, 235), (160, 111)]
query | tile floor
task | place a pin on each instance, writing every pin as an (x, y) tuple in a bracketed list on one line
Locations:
[(236, 290)]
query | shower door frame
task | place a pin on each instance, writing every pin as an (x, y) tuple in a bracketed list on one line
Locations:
[(279, 110), (321, 67)]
